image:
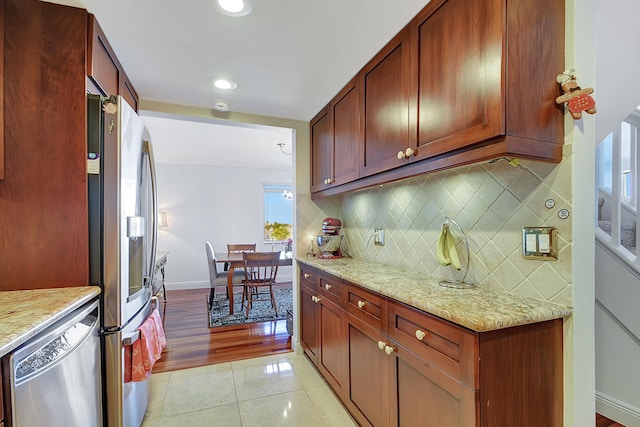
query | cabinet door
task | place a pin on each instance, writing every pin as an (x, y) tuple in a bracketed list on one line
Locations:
[(309, 338), (44, 210), (386, 85), (332, 359), (459, 74), (128, 92), (426, 396), (347, 133), (102, 65), (321, 151), (369, 387), (1, 89)]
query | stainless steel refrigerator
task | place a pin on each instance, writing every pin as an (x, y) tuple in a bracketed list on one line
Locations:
[(123, 239)]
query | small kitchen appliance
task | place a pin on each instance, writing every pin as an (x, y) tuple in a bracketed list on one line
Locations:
[(329, 241)]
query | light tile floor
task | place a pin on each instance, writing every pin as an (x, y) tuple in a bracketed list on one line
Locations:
[(278, 390)]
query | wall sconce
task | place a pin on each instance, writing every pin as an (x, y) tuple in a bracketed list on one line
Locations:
[(162, 219), (282, 145)]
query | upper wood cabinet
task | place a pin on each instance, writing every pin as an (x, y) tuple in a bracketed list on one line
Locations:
[(1, 89), (44, 85), (105, 75), (386, 84), (335, 140), (486, 73), (321, 151), (459, 75), (463, 82)]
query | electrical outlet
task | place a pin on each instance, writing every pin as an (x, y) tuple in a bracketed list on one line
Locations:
[(379, 236)]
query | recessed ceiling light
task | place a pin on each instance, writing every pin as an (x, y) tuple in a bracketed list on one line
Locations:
[(224, 84), (234, 7)]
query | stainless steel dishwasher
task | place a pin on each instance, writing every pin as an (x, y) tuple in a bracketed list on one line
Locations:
[(55, 376)]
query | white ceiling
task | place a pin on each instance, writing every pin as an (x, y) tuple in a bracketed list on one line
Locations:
[(289, 57), (203, 142)]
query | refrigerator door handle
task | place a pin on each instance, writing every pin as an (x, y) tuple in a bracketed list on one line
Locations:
[(148, 151), (131, 338)]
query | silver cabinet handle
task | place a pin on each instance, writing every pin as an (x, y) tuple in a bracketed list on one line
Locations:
[(361, 304), (306, 275), (420, 334), (327, 286), (389, 350), (382, 345)]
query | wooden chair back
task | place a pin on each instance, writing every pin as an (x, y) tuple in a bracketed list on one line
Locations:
[(260, 270), (241, 247)]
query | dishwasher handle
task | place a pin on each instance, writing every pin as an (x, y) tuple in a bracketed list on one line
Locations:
[(49, 348)]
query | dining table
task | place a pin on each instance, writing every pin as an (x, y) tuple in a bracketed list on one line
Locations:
[(235, 260)]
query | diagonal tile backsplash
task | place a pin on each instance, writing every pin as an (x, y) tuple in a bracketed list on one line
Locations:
[(491, 202)]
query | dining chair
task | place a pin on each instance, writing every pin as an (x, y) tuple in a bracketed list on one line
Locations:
[(216, 279), (236, 248), (260, 271)]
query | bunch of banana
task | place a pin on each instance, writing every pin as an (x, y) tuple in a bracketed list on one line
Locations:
[(446, 251)]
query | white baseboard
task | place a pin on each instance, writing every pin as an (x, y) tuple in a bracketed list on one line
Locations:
[(179, 286), (617, 410)]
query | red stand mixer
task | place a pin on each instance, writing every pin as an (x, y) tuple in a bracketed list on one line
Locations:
[(329, 242)]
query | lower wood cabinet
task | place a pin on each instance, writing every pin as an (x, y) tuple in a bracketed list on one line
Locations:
[(394, 365), (369, 389), (323, 329), (423, 395)]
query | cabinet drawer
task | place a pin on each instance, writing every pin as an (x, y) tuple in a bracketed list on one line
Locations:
[(332, 289), (367, 306), (449, 347), (309, 277)]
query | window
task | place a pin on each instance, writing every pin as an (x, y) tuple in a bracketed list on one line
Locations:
[(622, 140), (604, 155), (278, 212)]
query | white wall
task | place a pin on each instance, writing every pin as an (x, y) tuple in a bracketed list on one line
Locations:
[(617, 88), (617, 93), (219, 204), (617, 349)]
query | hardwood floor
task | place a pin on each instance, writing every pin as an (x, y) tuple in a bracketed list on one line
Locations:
[(602, 421), (191, 343)]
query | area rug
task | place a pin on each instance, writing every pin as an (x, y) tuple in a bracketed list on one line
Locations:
[(261, 311)]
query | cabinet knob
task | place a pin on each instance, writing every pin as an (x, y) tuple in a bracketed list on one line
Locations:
[(327, 286), (361, 304), (420, 334), (388, 349), (306, 275), (407, 153), (382, 345), (315, 299)]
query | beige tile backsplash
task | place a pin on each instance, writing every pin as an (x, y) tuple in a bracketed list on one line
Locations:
[(490, 201)]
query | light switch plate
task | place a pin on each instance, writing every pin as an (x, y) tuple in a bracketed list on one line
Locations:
[(540, 243)]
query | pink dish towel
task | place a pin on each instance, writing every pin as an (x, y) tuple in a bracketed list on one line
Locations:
[(143, 353)]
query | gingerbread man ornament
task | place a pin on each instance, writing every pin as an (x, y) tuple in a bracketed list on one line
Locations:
[(577, 99)]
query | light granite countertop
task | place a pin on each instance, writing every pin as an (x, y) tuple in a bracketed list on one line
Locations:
[(478, 309), (23, 314)]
